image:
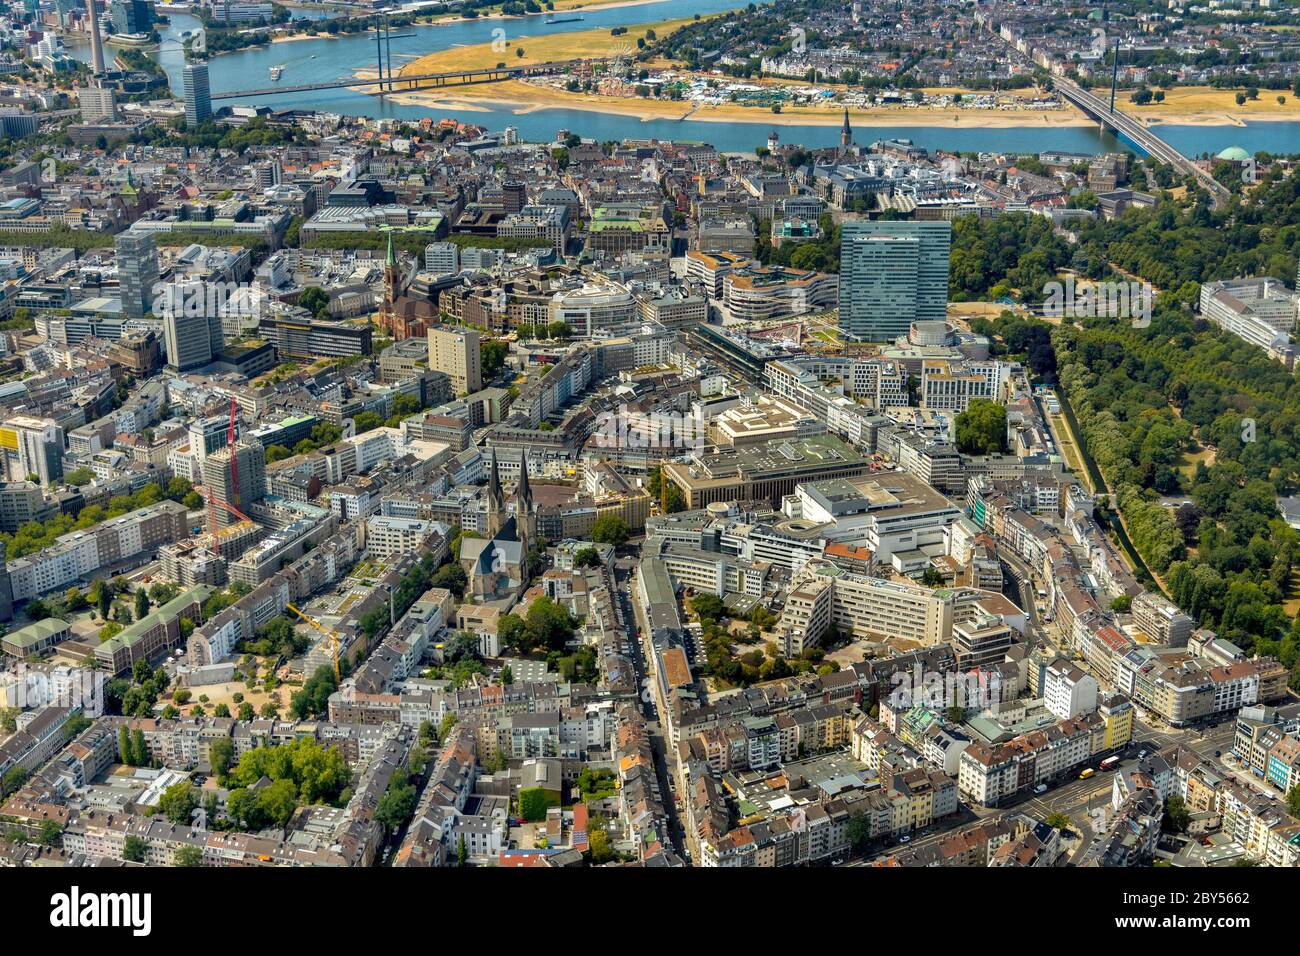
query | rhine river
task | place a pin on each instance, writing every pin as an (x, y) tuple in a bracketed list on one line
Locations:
[(322, 60)]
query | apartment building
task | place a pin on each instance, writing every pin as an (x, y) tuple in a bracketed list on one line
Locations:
[(110, 545), (456, 352), (822, 596)]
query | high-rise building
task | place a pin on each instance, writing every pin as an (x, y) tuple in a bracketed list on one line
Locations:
[(442, 258), (207, 435), (137, 272), (97, 103), (198, 97), (892, 273), (131, 17), (250, 460), (6, 589), (32, 449), (456, 352), (20, 502), (192, 341)]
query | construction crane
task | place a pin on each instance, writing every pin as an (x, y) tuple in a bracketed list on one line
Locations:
[(213, 502), (328, 632)]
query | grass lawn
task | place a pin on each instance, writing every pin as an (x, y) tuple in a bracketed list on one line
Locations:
[(540, 49)]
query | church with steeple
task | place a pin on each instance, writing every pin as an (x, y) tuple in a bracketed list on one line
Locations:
[(401, 316), (496, 564), (846, 133)]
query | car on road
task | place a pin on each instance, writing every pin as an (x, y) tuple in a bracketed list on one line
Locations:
[(1041, 788), (905, 838)]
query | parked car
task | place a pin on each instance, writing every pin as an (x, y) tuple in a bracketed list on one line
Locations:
[(1041, 788)]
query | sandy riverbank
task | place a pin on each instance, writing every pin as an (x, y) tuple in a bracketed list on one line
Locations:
[(521, 98), (1206, 106), (526, 97)]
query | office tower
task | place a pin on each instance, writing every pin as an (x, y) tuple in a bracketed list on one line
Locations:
[(21, 502), (891, 275), (96, 44), (298, 340), (267, 174), (192, 341), (198, 98), (131, 17), (456, 352), (514, 196), (442, 258), (16, 123), (32, 448), (6, 588), (137, 272), (250, 460), (97, 103), (207, 435)]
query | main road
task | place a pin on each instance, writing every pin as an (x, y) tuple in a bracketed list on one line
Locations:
[(1139, 135), (639, 650)]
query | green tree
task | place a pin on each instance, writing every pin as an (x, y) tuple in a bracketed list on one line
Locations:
[(859, 831), (396, 806), (533, 804), (609, 529), (221, 752), (79, 476), (707, 607), (178, 802), (133, 849), (982, 428), (548, 625), (74, 600), (315, 300), (1177, 816), (189, 856), (51, 833)]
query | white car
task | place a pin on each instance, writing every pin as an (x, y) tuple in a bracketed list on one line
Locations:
[(1041, 788)]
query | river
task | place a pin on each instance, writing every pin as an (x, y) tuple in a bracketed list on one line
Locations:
[(325, 59)]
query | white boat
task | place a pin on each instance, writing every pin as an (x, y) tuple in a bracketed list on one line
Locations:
[(276, 71)]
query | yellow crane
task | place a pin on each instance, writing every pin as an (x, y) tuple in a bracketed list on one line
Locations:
[(328, 632)]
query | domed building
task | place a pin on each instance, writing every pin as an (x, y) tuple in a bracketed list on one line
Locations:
[(1233, 154)]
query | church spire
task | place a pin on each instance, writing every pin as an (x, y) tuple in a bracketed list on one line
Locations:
[(525, 523), (846, 132), (494, 481), (494, 504), (524, 493)]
